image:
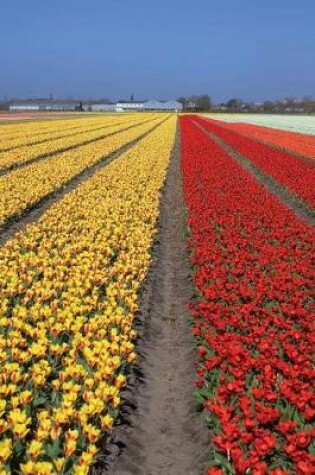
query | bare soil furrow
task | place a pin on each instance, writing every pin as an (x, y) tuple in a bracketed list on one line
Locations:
[(161, 431)]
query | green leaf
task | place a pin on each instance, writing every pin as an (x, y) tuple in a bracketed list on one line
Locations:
[(53, 450), (39, 401)]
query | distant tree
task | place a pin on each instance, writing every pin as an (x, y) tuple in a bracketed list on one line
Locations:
[(269, 106), (308, 104), (192, 100), (80, 106), (182, 100), (132, 98), (234, 104), (203, 102)]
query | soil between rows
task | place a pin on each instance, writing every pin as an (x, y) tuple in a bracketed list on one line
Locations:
[(161, 431)]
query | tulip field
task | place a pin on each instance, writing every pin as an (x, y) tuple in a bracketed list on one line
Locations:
[(73, 278), (293, 123), (254, 317)]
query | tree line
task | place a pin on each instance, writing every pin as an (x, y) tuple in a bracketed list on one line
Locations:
[(203, 102)]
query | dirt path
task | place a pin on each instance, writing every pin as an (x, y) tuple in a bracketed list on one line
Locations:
[(165, 435), (288, 199), (35, 211)]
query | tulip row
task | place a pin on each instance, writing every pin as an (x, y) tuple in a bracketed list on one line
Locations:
[(69, 295), (296, 142), (22, 189), (17, 156), (53, 132), (31, 129), (253, 316), (303, 124), (295, 174)]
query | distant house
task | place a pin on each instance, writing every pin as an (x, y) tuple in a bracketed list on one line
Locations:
[(223, 106), (122, 106), (174, 106), (153, 105), (99, 106), (44, 105), (24, 105)]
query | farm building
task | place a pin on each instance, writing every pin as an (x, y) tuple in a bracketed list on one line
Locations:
[(19, 106), (148, 106), (163, 106), (93, 106), (99, 106), (122, 106), (44, 105)]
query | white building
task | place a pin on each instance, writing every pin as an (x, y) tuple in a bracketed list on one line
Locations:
[(44, 105), (18, 107), (99, 107), (153, 105), (122, 106), (171, 106), (94, 106)]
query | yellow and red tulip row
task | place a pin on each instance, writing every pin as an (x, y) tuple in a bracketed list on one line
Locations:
[(69, 295), (28, 152), (24, 187)]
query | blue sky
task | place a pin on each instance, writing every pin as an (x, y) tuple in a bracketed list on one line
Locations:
[(252, 49)]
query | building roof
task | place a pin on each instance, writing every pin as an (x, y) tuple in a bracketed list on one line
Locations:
[(43, 101), (130, 102)]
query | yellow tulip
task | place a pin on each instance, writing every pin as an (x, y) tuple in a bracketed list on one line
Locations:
[(70, 447), (80, 470), (44, 468), (5, 450), (107, 422), (59, 463), (25, 397), (28, 468), (3, 404), (70, 289), (35, 449)]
